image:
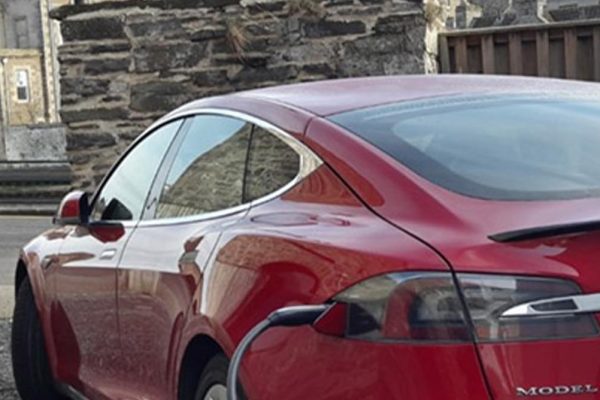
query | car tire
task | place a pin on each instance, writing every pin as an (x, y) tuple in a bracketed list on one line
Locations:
[(31, 369), (213, 380)]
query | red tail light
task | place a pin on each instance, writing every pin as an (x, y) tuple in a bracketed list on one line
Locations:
[(405, 306), (427, 306)]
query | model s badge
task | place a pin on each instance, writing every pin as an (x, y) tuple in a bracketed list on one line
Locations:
[(556, 390)]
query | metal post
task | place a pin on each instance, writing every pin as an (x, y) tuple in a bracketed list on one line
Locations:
[(55, 66), (4, 93)]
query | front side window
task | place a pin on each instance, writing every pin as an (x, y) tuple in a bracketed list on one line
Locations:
[(272, 164), (123, 196), (504, 147), (207, 174)]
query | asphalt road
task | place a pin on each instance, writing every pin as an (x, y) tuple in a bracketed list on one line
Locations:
[(14, 233), (7, 386)]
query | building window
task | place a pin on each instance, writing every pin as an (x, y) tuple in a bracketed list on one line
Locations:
[(22, 85), (22, 33)]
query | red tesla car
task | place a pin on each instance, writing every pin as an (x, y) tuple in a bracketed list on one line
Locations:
[(452, 222)]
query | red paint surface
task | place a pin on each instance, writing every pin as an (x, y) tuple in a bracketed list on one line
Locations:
[(119, 328)]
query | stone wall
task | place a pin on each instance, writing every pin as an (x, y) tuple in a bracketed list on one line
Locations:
[(126, 63), (575, 13)]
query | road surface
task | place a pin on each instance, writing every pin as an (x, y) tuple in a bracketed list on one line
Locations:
[(7, 386), (14, 233)]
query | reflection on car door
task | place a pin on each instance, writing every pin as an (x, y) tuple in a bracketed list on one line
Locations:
[(84, 316), (198, 196)]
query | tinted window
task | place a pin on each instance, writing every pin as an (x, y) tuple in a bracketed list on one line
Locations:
[(208, 171), (497, 147), (124, 194), (271, 165)]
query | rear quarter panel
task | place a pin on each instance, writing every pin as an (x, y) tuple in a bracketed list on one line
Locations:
[(458, 227), (303, 248)]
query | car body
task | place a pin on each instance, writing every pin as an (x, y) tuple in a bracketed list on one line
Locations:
[(308, 204)]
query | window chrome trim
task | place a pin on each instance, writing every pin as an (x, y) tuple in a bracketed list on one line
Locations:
[(309, 162), (556, 306)]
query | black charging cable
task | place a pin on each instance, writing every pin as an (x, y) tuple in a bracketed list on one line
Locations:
[(287, 316)]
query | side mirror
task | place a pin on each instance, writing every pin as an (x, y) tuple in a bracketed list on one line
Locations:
[(74, 209)]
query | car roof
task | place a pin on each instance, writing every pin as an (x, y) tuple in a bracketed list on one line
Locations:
[(336, 96), (291, 107)]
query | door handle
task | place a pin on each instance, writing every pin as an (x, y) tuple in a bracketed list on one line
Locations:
[(108, 254)]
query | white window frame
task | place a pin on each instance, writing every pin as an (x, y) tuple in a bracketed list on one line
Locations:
[(27, 85)]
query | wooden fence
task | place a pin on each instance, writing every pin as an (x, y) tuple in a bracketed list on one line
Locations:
[(563, 50)]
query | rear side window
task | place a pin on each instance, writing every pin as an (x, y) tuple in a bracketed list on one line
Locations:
[(272, 164), (207, 174), (494, 147), (124, 194)]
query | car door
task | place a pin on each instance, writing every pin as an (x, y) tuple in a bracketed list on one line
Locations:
[(84, 317), (193, 201)]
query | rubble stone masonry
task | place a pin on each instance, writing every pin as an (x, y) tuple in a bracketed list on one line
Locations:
[(125, 63)]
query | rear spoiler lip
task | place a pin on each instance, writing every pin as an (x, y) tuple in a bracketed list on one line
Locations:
[(545, 232)]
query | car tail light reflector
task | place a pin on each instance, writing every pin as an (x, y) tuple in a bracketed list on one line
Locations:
[(488, 297), (428, 306), (405, 306)]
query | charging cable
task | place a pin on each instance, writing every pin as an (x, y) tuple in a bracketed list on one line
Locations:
[(287, 316)]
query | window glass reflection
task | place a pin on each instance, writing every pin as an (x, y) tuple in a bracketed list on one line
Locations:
[(124, 195), (272, 164), (208, 172)]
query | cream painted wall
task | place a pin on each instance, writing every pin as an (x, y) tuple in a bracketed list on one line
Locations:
[(32, 110)]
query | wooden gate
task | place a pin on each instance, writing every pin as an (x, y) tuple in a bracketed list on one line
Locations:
[(562, 50)]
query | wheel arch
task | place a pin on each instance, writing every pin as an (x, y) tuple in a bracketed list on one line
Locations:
[(199, 351), (20, 275)]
